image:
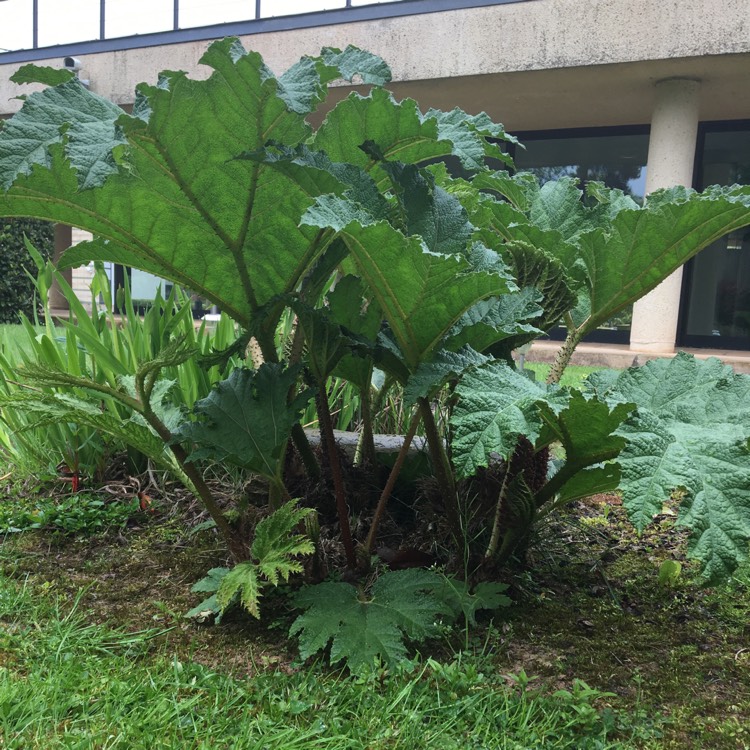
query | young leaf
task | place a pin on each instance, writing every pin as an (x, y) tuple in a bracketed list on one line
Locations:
[(242, 579), (209, 607), (275, 547), (276, 543), (211, 582), (365, 630), (459, 596), (246, 419)]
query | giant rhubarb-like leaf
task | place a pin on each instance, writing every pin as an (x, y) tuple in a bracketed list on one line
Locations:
[(247, 419), (640, 247), (496, 405), (167, 193), (691, 431), (422, 294), (586, 428), (363, 631)]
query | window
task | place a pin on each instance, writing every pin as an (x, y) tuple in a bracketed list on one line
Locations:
[(614, 156), (716, 284)]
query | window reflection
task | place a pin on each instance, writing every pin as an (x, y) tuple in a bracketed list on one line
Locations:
[(719, 279), (131, 17), (619, 161), (201, 13), (372, 2), (16, 25), (269, 8)]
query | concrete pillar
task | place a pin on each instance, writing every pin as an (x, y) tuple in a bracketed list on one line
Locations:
[(63, 240), (671, 155)]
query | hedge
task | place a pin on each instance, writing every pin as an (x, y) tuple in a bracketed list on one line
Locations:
[(16, 288)]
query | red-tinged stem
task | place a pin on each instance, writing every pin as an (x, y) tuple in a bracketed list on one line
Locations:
[(329, 442), (389, 485)]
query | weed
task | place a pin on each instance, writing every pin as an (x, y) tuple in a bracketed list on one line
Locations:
[(82, 513)]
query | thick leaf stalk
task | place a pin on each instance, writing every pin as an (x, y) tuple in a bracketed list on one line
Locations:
[(441, 466), (515, 511), (564, 354), (329, 442), (237, 548), (391, 482)]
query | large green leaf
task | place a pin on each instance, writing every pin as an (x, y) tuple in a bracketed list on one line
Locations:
[(612, 250), (640, 247), (507, 319), (533, 267), (404, 134), (247, 418), (496, 405), (434, 373), (422, 294), (303, 86), (587, 429), (67, 113), (174, 200), (426, 209), (691, 431)]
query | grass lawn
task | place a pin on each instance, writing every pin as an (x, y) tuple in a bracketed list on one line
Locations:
[(66, 681), (12, 338), (94, 653), (572, 376)]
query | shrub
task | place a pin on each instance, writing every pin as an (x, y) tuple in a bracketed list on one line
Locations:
[(17, 293), (384, 268)]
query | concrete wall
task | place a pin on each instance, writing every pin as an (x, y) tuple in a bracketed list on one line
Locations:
[(535, 64)]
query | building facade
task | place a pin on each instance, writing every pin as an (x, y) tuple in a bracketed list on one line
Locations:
[(641, 94)]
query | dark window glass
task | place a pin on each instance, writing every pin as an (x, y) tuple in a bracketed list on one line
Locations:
[(617, 159), (717, 313)]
